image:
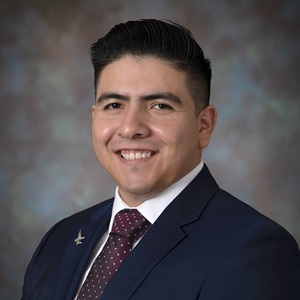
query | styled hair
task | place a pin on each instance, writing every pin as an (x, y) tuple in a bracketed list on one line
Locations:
[(164, 40)]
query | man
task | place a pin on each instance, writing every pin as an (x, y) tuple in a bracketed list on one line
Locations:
[(151, 121)]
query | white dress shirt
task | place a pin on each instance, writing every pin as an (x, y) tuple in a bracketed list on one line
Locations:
[(151, 209)]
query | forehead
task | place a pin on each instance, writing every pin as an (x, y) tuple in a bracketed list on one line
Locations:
[(142, 72)]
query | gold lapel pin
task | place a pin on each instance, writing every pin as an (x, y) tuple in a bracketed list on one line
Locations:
[(79, 238)]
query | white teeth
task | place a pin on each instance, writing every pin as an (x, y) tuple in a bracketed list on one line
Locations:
[(135, 155)]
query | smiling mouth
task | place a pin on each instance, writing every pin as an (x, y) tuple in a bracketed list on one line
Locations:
[(134, 155)]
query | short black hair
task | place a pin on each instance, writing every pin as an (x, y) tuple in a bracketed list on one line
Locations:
[(164, 40)]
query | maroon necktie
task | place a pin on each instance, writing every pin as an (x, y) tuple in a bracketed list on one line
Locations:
[(129, 225)]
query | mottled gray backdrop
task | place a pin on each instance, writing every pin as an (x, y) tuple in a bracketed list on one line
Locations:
[(47, 166)]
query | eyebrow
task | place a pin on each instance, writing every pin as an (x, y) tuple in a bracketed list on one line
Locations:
[(162, 95), (106, 96), (157, 95)]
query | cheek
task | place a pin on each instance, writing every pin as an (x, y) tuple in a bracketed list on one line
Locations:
[(181, 131), (102, 133)]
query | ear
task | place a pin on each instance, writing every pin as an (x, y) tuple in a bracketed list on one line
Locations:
[(93, 111), (207, 121)]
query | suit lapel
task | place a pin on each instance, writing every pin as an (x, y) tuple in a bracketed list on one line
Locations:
[(162, 236), (76, 257)]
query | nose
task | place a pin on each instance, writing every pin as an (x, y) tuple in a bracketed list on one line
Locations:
[(134, 124)]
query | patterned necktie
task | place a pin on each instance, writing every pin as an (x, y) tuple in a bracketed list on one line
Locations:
[(129, 225)]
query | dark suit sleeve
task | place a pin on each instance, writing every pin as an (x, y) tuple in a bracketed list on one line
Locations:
[(262, 263)]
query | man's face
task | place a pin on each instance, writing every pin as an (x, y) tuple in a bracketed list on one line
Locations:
[(146, 133)]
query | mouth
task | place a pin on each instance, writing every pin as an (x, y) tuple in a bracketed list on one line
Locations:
[(135, 155)]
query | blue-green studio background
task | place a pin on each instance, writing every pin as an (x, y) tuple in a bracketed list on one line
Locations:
[(47, 166)]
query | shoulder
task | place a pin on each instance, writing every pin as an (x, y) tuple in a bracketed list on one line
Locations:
[(83, 217), (218, 212), (62, 229), (92, 212), (57, 244), (239, 216), (239, 231), (254, 251)]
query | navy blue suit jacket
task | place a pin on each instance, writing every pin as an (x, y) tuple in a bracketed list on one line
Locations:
[(206, 245)]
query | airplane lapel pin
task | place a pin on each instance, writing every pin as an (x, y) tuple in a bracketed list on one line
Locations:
[(79, 238)]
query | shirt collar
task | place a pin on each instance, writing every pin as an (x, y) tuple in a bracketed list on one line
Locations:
[(152, 208)]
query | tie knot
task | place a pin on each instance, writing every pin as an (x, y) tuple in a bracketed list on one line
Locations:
[(130, 223)]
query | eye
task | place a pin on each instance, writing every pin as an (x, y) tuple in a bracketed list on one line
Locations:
[(112, 106), (162, 106)]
